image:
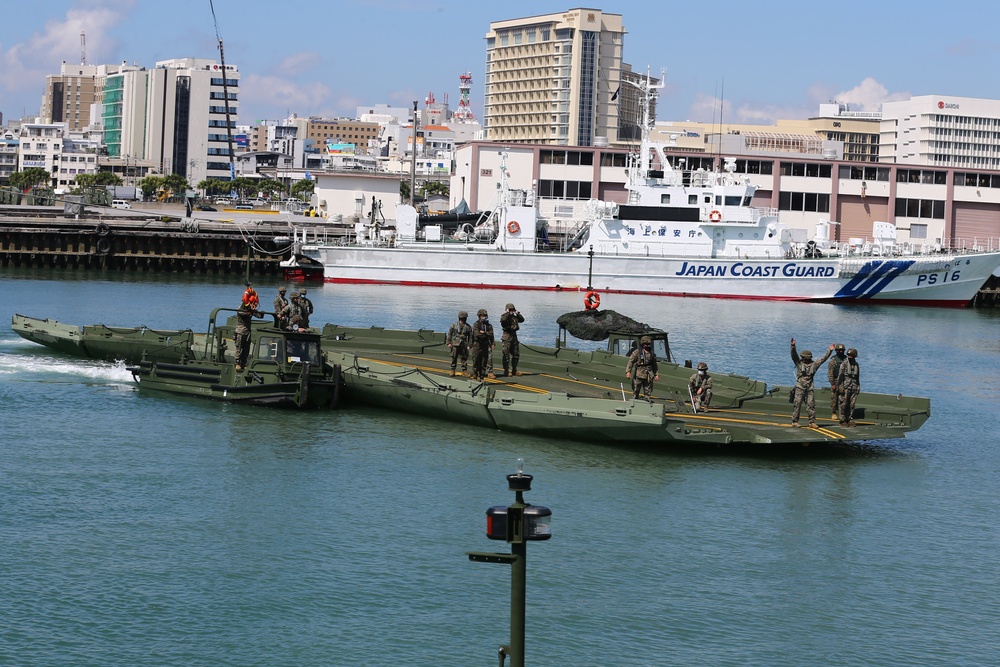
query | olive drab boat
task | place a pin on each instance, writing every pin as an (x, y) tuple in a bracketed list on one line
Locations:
[(284, 369)]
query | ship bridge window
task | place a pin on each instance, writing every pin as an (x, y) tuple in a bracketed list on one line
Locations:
[(303, 351), (665, 199), (693, 200), (269, 348)]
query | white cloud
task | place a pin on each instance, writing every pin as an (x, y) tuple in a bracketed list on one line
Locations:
[(25, 64), (277, 95), (869, 96)]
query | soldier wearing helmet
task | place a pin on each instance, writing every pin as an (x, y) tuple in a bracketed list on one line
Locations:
[(833, 375), (306, 305), (805, 370), (643, 362), (483, 343), (850, 380), (459, 342), (510, 322), (280, 303), (700, 388), (241, 335)]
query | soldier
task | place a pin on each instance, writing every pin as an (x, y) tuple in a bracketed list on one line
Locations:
[(850, 383), (836, 391), (643, 360), (307, 305), (280, 302), (241, 337), (483, 343), (305, 308), (510, 321), (805, 369), (700, 386), (459, 340), (292, 314)]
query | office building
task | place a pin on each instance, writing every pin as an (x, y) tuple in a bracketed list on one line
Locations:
[(942, 131)]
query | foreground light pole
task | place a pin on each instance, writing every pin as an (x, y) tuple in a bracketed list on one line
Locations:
[(516, 524)]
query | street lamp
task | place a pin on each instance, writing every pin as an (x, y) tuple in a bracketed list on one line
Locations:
[(515, 524)]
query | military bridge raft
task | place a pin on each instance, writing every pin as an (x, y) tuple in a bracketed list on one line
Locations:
[(566, 393), (560, 392)]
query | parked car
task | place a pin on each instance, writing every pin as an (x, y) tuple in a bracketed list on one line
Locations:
[(222, 202), (120, 203), (206, 207), (243, 207)]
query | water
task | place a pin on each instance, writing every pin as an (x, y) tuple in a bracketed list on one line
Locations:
[(146, 530)]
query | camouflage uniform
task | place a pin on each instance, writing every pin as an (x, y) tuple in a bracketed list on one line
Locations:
[(643, 361), (280, 302), (836, 391), (305, 309), (700, 385), (483, 342), (850, 382), (292, 314), (241, 337), (306, 304), (510, 321), (805, 369), (459, 340)]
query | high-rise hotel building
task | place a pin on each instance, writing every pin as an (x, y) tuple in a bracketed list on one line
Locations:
[(554, 78)]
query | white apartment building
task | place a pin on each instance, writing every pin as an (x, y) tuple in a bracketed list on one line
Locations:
[(941, 131), (49, 147), (550, 79), (10, 144), (174, 116)]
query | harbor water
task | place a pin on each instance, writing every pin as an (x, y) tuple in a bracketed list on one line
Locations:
[(142, 529)]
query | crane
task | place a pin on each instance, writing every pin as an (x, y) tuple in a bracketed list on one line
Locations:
[(225, 94)]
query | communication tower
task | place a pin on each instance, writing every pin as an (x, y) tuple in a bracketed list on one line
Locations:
[(464, 112)]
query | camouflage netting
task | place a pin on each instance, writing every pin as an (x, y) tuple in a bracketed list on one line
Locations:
[(597, 324)]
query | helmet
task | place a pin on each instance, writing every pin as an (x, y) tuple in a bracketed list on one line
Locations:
[(302, 292), (462, 314), (645, 340), (702, 366), (839, 347), (510, 306), (295, 295), (806, 354), (852, 352), (482, 312), (282, 289)]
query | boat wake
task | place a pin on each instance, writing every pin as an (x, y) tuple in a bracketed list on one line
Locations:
[(47, 368)]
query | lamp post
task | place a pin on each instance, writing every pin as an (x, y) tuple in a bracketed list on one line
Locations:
[(515, 524), (590, 269)]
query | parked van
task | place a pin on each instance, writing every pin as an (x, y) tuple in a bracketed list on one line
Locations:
[(120, 203), (243, 207)]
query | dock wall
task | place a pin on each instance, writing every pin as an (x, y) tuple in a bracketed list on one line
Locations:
[(164, 243)]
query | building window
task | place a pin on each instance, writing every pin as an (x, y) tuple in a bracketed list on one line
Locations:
[(919, 208), (813, 202)]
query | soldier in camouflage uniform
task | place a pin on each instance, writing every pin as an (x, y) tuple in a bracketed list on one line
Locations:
[(832, 368), (292, 314), (850, 382), (805, 370), (643, 361), (280, 302), (510, 321), (459, 341), (241, 336), (306, 305), (483, 343), (700, 386)]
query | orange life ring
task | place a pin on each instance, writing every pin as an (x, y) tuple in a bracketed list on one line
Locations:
[(513, 227), (592, 301), (715, 216)]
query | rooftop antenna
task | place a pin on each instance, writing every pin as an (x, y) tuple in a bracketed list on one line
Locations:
[(225, 94), (83, 48)]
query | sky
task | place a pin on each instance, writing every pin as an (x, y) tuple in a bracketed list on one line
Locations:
[(741, 62)]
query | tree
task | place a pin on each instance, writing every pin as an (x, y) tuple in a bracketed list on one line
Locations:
[(151, 185), (270, 187), (29, 178), (100, 178), (435, 188), (303, 189), (214, 186), (404, 190), (176, 183)]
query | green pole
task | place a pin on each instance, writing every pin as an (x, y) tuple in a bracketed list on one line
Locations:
[(249, 254)]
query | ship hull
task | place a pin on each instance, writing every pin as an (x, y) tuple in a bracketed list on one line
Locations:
[(935, 280)]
